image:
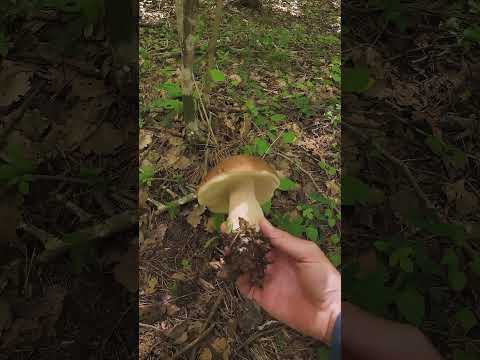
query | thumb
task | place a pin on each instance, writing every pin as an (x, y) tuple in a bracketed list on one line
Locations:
[(300, 250)]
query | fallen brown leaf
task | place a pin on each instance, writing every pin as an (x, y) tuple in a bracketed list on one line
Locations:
[(195, 216), (123, 270), (205, 354), (15, 82)]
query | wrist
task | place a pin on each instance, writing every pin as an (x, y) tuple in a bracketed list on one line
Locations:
[(334, 313)]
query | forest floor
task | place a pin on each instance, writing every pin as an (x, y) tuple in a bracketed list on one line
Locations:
[(278, 97)]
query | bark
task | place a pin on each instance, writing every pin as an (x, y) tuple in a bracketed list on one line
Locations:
[(187, 68), (212, 46), (179, 16)]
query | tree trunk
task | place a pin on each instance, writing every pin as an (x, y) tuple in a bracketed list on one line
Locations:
[(212, 45), (189, 113), (179, 16)]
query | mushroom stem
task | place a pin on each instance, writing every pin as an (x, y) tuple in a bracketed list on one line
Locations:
[(243, 204)]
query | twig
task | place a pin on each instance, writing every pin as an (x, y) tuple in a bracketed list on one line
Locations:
[(205, 113), (38, 233), (270, 146), (397, 162), (115, 224), (204, 330), (148, 326), (302, 169), (256, 336), (11, 120), (194, 342), (213, 311), (82, 215), (161, 208)]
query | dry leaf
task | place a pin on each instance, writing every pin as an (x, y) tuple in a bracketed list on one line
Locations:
[(205, 354), (145, 139), (246, 125), (333, 187), (195, 216), (124, 272), (151, 313), (220, 345), (210, 225), (35, 318), (172, 309), (86, 88), (181, 339), (15, 83), (206, 285), (10, 215), (5, 315), (105, 140), (465, 201), (179, 276), (151, 285)]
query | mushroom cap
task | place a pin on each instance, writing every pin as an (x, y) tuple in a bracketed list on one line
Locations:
[(214, 191)]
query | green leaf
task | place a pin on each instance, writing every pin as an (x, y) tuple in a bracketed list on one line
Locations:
[(261, 146), (475, 266), (217, 220), (450, 259), (323, 353), (286, 184), (463, 355), (167, 104), (267, 207), (354, 191), (355, 79), (278, 117), (89, 172), (406, 264), (289, 137), (173, 90), (307, 213), (472, 33), (7, 173), (92, 10), (411, 305), (334, 239), (381, 246), (435, 145), (466, 318), (331, 222), (311, 233), (217, 75), (335, 259), (457, 280), (4, 44), (24, 187), (314, 197)]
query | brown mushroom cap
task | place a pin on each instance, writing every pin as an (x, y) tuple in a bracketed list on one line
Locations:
[(214, 191)]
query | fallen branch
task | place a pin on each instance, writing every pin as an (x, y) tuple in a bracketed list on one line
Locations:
[(397, 162), (161, 208), (113, 225), (10, 121), (194, 342), (256, 336)]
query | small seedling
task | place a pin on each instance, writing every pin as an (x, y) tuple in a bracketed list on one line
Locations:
[(147, 172)]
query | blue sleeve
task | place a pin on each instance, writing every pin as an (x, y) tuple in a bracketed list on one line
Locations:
[(336, 348)]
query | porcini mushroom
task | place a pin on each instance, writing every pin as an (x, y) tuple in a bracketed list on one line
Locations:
[(238, 186)]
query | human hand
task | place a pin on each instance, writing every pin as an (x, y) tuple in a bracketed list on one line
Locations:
[(301, 287)]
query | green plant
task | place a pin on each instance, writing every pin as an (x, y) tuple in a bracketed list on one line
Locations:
[(329, 170), (186, 264), (147, 172), (18, 169)]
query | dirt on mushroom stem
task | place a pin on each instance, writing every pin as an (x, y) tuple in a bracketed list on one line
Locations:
[(244, 253)]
